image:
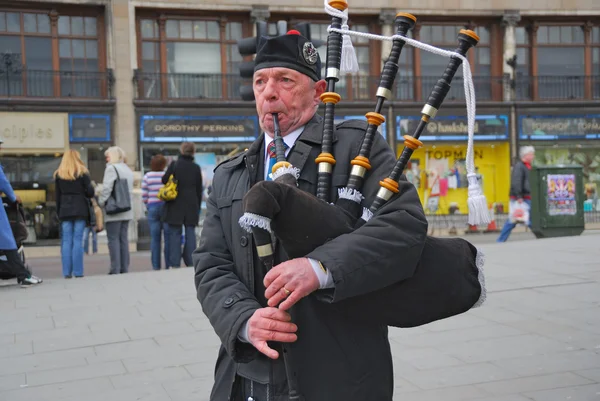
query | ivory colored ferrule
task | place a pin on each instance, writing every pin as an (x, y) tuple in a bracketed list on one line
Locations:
[(333, 73), (412, 142), (325, 168), (278, 165), (384, 194), (358, 171), (339, 4), (407, 15), (375, 118), (264, 250), (361, 161), (325, 158), (384, 92), (330, 97), (429, 111), (390, 185)]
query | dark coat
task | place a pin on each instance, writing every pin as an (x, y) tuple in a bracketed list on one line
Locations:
[(335, 358), (185, 209), (72, 198), (519, 181)]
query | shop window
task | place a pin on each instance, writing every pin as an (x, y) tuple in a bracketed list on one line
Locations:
[(596, 62), (35, 70), (198, 56)]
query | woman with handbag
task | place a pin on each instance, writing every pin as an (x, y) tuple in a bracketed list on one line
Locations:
[(115, 198), (184, 210), (73, 193)]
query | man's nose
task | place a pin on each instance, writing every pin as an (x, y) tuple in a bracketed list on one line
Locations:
[(271, 90)]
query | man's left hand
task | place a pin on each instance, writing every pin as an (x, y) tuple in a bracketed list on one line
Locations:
[(290, 282)]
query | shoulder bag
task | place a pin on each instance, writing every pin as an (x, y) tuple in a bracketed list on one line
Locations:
[(119, 200)]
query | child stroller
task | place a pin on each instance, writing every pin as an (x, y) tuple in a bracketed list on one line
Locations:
[(18, 225)]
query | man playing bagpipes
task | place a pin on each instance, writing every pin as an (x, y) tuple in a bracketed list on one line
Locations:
[(290, 327)]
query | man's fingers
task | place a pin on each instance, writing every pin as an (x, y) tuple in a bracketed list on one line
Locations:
[(262, 347), (275, 287), (275, 314), (275, 325), (272, 275), (290, 301)]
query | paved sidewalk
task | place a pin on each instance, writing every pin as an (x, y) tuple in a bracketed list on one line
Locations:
[(143, 336)]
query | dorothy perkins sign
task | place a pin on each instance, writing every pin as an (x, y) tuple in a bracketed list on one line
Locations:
[(553, 127), (197, 127)]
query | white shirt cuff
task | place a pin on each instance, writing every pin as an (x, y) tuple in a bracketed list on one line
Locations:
[(243, 334), (325, 278)]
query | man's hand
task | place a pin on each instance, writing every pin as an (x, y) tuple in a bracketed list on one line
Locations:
[(290, 282), (270, 324), (18, 199)]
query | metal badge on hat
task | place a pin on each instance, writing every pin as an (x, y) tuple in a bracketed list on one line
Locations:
[(309, 52)]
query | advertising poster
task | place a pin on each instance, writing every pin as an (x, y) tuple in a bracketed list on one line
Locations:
[(561, 194), (207, 163)]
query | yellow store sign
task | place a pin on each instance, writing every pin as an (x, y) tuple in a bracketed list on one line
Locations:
[(34, 132), (439, 173)]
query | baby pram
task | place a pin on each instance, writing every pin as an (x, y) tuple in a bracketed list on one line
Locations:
[(16, 217)]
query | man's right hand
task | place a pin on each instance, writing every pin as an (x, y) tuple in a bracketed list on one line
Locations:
[(270, 324)]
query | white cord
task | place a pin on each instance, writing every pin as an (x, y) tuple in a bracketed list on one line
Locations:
[(478, 213)]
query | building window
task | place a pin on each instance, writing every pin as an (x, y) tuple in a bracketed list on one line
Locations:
[(523, 64), (596, 62), (189, 57), (35, 70)]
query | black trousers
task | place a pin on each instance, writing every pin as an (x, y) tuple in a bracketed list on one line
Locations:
[(14, 264), (245, 388)]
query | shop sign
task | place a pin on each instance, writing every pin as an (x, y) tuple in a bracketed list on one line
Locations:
[(382, 128), (455, 128), (89, 128), (198, 128), (34, 132), (559, 127)]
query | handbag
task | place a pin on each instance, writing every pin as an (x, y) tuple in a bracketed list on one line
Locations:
[(91, 221), (168, 192), (119, 200)]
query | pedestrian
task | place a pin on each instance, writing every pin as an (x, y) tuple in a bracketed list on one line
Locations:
[(96, 228), (520, 190), (73, 193), (117, 225), (335, 357), (184, 210), (151, 184), (10, 260)]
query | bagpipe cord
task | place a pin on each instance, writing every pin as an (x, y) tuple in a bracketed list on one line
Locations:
[(478, 212)]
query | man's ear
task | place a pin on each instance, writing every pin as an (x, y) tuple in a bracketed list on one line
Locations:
[(320, 87)]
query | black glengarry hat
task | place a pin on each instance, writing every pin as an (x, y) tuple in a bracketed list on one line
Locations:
[(291, 50)]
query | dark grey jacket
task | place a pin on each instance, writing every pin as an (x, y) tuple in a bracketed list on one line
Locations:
[(519, 181), (335, 358)]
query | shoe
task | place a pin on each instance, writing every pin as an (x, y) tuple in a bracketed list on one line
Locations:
[(30, 281), (69, 276), (78, 276)]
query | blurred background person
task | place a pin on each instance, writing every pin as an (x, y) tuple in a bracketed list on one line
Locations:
[(151, 184), (185, 209), (520, 190), (93, 230), (73, 191), (116, 225)]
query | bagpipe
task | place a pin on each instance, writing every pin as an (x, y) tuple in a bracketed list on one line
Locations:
[(448, 277)]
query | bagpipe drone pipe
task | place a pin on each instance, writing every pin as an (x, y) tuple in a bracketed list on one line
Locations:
[(444, 280)]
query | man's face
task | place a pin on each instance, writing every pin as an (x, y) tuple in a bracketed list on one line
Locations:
[(528, 158), (289, 93)]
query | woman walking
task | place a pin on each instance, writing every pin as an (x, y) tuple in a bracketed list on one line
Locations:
[(185, 209), (73, 191), (151, 184), (116, 225)]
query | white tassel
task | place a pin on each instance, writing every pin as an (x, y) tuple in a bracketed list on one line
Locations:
[(479, 262), (350, 194), (249, 220), (294, 171), (478, 211), (367, 214), (349, 61)]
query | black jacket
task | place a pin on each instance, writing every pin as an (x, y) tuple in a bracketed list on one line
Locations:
[(519, 181), (336, 358), (72, 198), (185, 209)]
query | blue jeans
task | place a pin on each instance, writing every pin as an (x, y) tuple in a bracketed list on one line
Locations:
[(508, 226), (157, 227), (175, 245), (72, 247), (86, 240)]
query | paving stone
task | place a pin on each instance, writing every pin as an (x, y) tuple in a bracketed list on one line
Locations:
[(196, 339), (146, 378), (579, 393), (26, 325), (511, 397), (139, 393), (459, 393), (95, 338), (168, 356), (12, 382), (54, 333), (592, 374), (45, 361), (21, 348), (123, 350), (426, 358), (7, 339), (76, 373), (550, 363), (533, 383), (451, 376), (201, 370), (197, 389), (138, 331), (75, 390)]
